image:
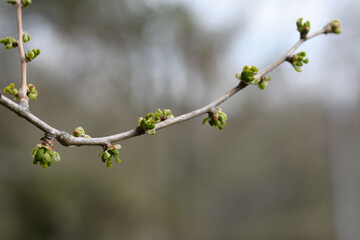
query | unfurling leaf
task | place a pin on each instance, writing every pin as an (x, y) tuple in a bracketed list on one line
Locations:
[(110, 152), (216, 118)]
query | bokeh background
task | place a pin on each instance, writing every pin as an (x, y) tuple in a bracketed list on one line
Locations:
[(286, 166)]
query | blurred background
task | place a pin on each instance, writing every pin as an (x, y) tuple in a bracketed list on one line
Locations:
[(286, 166)]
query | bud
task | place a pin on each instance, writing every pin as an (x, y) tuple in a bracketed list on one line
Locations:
[(262, 85), (26, 37), (25, 3), (335, 26)]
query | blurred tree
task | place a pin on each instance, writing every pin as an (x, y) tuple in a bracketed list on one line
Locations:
[(278, 187)]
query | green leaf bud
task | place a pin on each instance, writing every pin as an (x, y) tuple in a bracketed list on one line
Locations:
[(56, 156), (303, 28), (107, 155), (247, 75), (32, 93), (47, 157), (39, 154), (298, 60), (32, 96), (118, 160), (262, 85), (44, 155), (117, 146), (109, 163), (34, 151), (151, 131), (110, 152), (9, 42), (139, 120), (12, 2), (205, 120), (25, 3), (101, 155), (9, 46), (335, 26), (12, 90), (216, 118), (31, 54), (26, 37)]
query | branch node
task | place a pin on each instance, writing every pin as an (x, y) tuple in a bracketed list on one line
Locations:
[(24, 105), (48, 140), (64, 138), (140, 130)]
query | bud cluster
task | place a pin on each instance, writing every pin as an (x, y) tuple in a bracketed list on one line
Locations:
[(303, 28), (216, 118), (263, 82), (80, 132), (32, 93), (110, 152), (9, 42), (297, 60), (24, 3), (32, 54), (12, 90), (148, 122), (248, 76), (335, 26), (44, 155)]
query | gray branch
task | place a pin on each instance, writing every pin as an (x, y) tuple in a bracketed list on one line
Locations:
[(66, 139)]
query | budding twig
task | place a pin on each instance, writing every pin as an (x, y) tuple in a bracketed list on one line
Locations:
[(24, 100), (67, 139)]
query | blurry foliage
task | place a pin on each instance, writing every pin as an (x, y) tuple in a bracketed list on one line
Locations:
[(265, 176)]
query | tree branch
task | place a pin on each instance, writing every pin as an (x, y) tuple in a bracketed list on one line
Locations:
[(67, 139), (24, 99)]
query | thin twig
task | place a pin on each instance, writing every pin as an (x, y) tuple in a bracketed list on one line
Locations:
[(67, 139), (24, 99), (290, 52)]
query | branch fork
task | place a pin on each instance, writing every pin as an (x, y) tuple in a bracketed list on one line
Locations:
[(44, 153)]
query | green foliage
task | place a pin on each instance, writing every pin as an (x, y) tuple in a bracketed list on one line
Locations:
[(335, 26), (297, 60), (25, 3), (12, 90), (32, 54), (110, 152), (216, 118), (26, 37), (303, 28), (148, 122), (9, 42), (44, 155), (79, 132)]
